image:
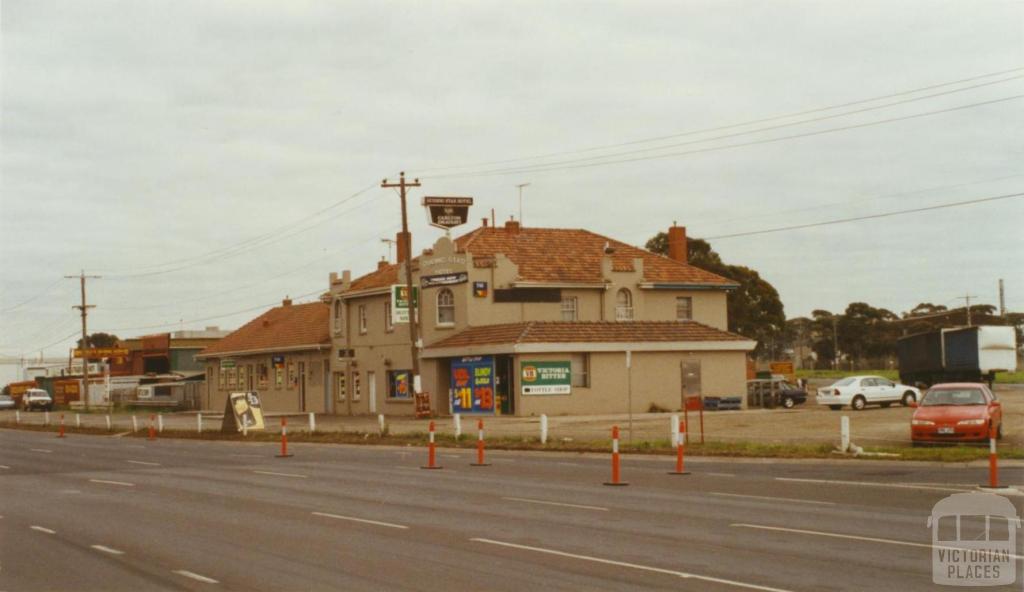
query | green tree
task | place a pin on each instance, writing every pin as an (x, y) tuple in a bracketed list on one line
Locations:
[(755, 309), (101, 340)]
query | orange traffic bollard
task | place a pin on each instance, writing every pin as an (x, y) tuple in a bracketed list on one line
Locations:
[(993, 461), (480, 446), (61, 434), (431, 451), (152, 428), (284, 439), (680, 445), (616, 477)]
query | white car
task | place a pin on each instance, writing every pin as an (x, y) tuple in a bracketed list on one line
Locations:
[(860, 391)]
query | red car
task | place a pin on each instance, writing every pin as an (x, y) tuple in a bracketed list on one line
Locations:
[(956, 412)]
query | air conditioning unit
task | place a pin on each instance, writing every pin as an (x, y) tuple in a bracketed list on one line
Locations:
[(144, 392)]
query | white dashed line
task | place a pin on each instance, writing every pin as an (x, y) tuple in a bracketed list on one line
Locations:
[(868, 484), (297, 476), (362, 520), (547, 503), (774, 499), (107, 550), (647, 568), (105, 482), (4, 467), (142, 462), (718, 474), (41, 450), (568, 464), (43, 529), (195, 576)]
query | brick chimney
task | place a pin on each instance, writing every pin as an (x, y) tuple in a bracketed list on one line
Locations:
[(513, 227), (286, 302), (403, 244), (677, 243), (382, 263)]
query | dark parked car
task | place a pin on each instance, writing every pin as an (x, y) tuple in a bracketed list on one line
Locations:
[(765, 392)]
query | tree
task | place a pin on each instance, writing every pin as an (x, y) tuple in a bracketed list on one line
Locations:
[(866, 332), (755, 309), (101, 340), (823, 332)]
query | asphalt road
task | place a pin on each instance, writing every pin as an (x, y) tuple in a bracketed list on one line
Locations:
[(109, 513)]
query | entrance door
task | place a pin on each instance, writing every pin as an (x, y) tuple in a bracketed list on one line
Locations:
[(691, 379), (328, 399), (249, 376), (302, 386), (504, 384), (371, 381)]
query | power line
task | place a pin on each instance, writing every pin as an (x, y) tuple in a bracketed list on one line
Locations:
[(34, 298), (725, 127), (870, 217)]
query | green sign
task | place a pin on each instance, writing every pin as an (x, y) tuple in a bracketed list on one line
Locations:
[(400, 303), (545, 378)]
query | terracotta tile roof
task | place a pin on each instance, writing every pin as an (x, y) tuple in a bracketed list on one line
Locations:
[(280, 327), (586, 332), (380, 278), (575, 255)]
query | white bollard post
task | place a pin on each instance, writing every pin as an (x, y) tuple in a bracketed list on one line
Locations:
[(199, 423), (457, 421), (312, 422), (78, 420), (135, 424), (108, 423), (46, 418), (380, 422), (844, 433), (17, 416), (543, 429), (160, 423), (674, 429)]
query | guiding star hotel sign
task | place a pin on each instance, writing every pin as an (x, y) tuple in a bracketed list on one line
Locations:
[(447, 212)]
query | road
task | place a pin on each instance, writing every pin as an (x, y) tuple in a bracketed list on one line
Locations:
[(112, 513)]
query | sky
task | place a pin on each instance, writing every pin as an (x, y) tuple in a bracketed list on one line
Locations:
[(208, 158)]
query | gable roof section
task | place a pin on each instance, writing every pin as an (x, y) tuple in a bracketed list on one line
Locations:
[(290, 327), (574, 256), (588, 332)]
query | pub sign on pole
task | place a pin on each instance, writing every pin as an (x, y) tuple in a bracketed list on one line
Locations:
[(447, 212)]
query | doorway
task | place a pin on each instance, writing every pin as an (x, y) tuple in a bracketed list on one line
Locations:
[(504, 384), (328, 400), (302, 386), (371, 381)]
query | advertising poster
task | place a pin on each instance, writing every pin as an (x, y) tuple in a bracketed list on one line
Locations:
[(546, 378), (473, 385), (247, 411), (400, 303)]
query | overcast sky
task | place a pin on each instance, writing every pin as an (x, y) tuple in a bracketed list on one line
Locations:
[(194, 154)]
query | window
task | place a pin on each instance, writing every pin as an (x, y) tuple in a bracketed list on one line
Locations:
[(337, 316), (263, 377), (445, 307), (624, 305), (388, 325), (362, 319), (399, 385), (580, 369), (357, 388), (569, 309), (684, 308)]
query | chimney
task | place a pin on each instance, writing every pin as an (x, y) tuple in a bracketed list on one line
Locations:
[(677, 243), (512, 226), (382, 263), (403, 244), (485, 222), (286, 302)]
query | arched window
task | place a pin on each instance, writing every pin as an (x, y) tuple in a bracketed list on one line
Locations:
[(445, 307), (624, 305), (337, 316)]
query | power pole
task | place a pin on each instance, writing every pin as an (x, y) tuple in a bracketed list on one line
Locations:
[(413, 317), (84, 308), (1002, 299), (967, 303)]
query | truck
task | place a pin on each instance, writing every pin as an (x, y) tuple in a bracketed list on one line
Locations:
[(961, 354)]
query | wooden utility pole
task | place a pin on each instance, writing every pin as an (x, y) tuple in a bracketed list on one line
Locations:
[(84, 308), (402, 185), (967, 303)]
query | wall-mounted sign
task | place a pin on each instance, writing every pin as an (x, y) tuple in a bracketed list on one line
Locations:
[(400, 303), (473, 385), (546, 378), (447, 212), (445, 279), (225, 364), (101, 352), (480, 289)]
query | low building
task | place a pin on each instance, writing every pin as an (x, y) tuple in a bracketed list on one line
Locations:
[(536, 320), (283, 353)]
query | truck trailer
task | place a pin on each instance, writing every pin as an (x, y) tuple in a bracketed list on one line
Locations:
[(962, 354)]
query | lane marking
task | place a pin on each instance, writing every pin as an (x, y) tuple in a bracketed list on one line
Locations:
[(40, 450), (451, 456), (142, 462), (195, 576), (774, 499), (547, 503), (869, 484), (107, 550), (362, 520), (104, 481), (569, 464), (837, 535), (4, 467), (660, 570), (134, 445), (247, 455), (43, 529), (297, 476), (719, 474)]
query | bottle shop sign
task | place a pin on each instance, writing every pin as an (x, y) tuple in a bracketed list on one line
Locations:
[(447, 212)]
